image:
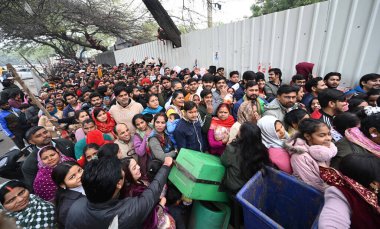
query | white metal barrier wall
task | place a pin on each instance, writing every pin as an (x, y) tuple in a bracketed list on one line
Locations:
[(336, 35)]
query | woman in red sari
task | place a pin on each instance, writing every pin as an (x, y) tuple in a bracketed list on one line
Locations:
[(218, 133), (104, 121)]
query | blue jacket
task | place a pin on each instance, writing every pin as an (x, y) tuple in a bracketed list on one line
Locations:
[(189, 135), (356, 90), (10, 123)]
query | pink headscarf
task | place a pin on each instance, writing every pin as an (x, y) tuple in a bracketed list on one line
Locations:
[(43, 185)]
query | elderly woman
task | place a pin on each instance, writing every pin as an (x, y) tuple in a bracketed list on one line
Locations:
[(28, 210), (45, 122)]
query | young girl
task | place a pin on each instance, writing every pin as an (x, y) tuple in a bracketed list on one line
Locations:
[(311, 148), (67, 176), (48, 157), (219, 129), (274, 135), (140, 140), (104, 122), (135, 186), (314, 109), (80, 117)]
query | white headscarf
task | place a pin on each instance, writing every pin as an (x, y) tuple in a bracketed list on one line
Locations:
[(268, 132)]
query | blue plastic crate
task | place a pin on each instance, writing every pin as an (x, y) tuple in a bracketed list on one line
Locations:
[(278, 200)]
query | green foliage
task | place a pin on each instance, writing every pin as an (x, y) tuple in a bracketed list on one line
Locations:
[(271, 6)]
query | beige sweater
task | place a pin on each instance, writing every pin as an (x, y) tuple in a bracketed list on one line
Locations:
[(125, 114), (127, 149)]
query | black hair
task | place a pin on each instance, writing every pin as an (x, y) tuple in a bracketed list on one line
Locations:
[(175, 94), (174, 82), (100, 178), (372, 121), (233, 73), (60, 171), (297, 77), (309, 126), (260, 76), (101, 90), (9, 186), (138, 116), (108, 150), (90, 146), (97, 110), (119, 89), (219, 78), (165, 78), (13, 94), (373, 91), (46, 148), (250, 83), (161, 114), (205, 92), (120, 84), (294, 116), (220, 68), (312, 83), (276, 71), (189, 105), (365, 78), (68, 94), (353, 105), (329, 94), (208, 78), (95, 94), (328, 75), (192, 80), (249, 75), (77, 113), (150, 96), (87, 121), (253, 152), (344, 121), (363, 168), (286, 89)]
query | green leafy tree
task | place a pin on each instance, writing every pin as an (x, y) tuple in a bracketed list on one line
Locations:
[(271, 6)]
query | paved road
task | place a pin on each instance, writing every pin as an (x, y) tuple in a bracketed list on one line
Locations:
[(6, 145)]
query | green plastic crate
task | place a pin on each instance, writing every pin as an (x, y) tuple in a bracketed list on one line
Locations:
[(198, 175)]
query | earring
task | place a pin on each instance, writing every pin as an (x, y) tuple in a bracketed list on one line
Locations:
[(374, 188)]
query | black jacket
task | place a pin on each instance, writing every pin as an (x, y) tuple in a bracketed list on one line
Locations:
[(65, 199), (5, 94), (131, 212), (29, 167)]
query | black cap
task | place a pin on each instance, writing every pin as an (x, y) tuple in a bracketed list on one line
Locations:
[(32, 131)]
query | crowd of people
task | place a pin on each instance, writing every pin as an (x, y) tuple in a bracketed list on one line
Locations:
[(103, 147)]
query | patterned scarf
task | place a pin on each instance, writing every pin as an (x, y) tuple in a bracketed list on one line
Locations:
[(335, 178), (165, 142), (249, 111), (354, 135), (38, 214)]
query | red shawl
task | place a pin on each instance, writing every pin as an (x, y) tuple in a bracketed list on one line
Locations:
[(105, 127), (215, 122), (335, 178)]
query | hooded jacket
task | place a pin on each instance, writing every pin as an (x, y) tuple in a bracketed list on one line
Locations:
[(305, 161), (275, 109)]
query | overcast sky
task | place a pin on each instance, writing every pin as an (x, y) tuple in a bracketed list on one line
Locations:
[(232, 10)]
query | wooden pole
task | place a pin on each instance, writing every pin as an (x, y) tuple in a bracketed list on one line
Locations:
[(39, 74), (15, 75)]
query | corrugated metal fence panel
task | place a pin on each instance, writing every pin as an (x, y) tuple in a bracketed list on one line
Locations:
[(336, 35)]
